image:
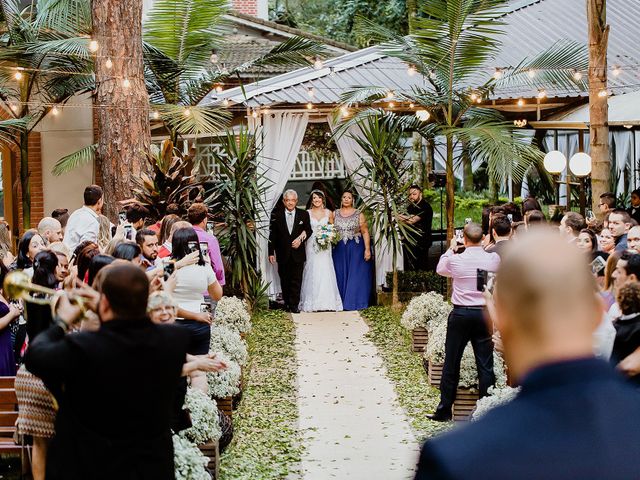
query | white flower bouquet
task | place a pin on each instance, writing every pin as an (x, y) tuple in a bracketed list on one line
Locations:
[(326, 236), (204, 418), (227, 340), (233, 312), (497, 397), (189, 462), (423, 309), (225, 383)]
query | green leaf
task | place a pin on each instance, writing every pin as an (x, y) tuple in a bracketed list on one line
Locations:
[(84, 156)]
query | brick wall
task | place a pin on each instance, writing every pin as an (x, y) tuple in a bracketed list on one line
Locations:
[(35, 180)]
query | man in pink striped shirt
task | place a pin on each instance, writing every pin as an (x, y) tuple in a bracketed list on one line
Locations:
[(466, 321)]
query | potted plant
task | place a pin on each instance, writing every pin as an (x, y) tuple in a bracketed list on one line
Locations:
[(420, 311)]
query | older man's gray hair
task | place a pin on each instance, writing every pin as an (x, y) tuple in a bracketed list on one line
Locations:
[(289, 193)]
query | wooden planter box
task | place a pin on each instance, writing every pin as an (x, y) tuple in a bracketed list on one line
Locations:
[(211, 451), (465, 404), (225, 405), (434, 371), (419, 337)]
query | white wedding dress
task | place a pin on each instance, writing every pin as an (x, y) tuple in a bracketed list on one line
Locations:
[(319, 290)]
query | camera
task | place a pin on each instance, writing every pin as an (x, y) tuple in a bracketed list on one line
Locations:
[(204, 249), (168, 268), (128, 232), (485, 280), (438, 178)]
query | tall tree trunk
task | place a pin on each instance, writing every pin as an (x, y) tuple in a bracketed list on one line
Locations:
[(494, 190), (430, 163), (122, 111), (416, 159), (598, 105), (467, 168), (450, 189)]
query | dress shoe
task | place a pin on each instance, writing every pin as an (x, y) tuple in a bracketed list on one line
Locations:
[(440, 415), (294, 310)]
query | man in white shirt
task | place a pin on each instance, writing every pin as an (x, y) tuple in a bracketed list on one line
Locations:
[(83, 223)]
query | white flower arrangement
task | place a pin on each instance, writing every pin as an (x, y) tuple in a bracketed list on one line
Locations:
[(497, 397), (204, 418), (227, 340), (189, 462), (326, 236), (423, 309), (233, 312), (225, 383)]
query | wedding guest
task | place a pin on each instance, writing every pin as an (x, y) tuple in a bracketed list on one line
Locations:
[(165, 250), (62, 270), (163, 235), (607, 242), (147, 240), (530, 204), (104, 233), (533, 218), (197, 215), (88, 251), (50, 230), (420, 216), (129, 251), (608, 292), (633, 239), (634, 209), (6, 248), (172, 210), (352, 255), (111, 423), (588, 242), (136, 213), (501, 230), (571, 224), (194, 314), (607, 203), (9, 313), (62, 215), (83, 223), (546, 311), (29, 246), (466, 321), (619, 225), (98, 263), (627, 325)]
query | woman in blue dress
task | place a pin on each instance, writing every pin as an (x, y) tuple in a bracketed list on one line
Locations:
[(352, 255)]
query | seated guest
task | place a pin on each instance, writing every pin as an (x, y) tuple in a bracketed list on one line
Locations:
[(573, 410), (627, 325), (111, 423), (619, 225), (501, 230)]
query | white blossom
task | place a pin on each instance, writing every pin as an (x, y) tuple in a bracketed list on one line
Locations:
[(497, 397), (225, 383), (233, 312), (189, 462), (204, 418), (227, 340), (423, 309)]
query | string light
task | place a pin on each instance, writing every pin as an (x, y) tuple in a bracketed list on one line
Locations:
[(55, 111), (108, 64), (309, 106), (126, 83), (311, 92), (497, 74), (155, 115), (411, 70), (432, 74), (391, 105), (479, 100), (332, 71), (520, 102), (520, 123), (214, 57), (603, 93), (18, 74), (423, 115), (219, 88), (577, 76), (542, 94), (473, 96), (187, 112), (616, 71), (412, 105), (93, 46), (531, 73)]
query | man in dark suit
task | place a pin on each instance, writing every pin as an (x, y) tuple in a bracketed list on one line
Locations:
[(575, 418), (290, 228), (634, 209), (115, 387), (420, 216)]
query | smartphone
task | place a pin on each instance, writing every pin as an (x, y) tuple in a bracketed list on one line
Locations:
[(204, 249), (210, 226), (168, 267), (205, 308), (510, 217), (598, 265), (590, 217), (193, 246), (128, 232), (122, 216), (485, 280)]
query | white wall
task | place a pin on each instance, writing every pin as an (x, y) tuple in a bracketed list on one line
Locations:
[(69, 131)]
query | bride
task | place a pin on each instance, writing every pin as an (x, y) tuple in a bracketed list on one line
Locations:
[(319, 286)]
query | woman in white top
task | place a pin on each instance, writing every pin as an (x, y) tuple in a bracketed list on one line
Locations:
[(194, 312)]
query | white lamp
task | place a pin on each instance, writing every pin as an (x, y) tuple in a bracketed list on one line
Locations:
[(580, 164), (555, 162)]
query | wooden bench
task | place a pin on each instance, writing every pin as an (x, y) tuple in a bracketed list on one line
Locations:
[(8, 417)]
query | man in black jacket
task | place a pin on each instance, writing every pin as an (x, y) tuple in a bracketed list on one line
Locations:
[(575, 417), (290, 228), (115, 387)]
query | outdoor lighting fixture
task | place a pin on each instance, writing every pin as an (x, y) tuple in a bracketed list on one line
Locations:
[(126, 83), (391, 105), (479, 100), (214, 57), (542, 94), (497, 74), (473, 96), (344, 111), (108, 64), (603, 93), (254, 114), (55, 111), (309, 106), (555, 162), (219, 88), (616, 71), (18, 74), (423, 115), (390, 94), (628, 127), (155, 115), (531, 73), (577, 76), (93, 46), (412, 105), (520, 123), (225, 102), (580, 164), (311, 92), (318, 64), (224, 70), (411, 71), (520, 102)]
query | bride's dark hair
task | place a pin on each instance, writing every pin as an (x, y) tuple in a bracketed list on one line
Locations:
[(319, 193)]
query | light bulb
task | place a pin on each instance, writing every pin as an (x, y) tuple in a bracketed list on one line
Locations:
[(254, 114), (531, 73), (126, 83), (18, 75), (520, 102), (344, 111), (309, 106), (219, 88), (479, 100), (155, 115), (411, 71), (332, 71), (390, 94), (423, 115), (473, 96), (391, 105), (93, 46), (311, 92), (14, 107), (108, 64), (577, 76), (412, 105), (55, 111), (187, 112), (432, 74)]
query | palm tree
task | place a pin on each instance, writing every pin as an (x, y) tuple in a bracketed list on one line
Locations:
[(450, 43), (42, 67)]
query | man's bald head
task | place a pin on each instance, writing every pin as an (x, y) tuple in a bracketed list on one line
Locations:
[(473, 233), (633, 239), (546, 301), (178, 225)]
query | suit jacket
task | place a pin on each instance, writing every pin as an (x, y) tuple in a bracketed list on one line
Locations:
[(280, 239), (635, 213), (575, 420), (116, 390)]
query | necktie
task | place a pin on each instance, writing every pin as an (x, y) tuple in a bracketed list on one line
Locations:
[(290, 222)]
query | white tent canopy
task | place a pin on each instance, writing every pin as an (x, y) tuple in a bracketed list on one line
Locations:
[(624, 110)]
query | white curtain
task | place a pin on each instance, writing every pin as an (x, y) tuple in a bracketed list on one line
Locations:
[(351, 154), (549, 145), (279, 144), (624, 151)]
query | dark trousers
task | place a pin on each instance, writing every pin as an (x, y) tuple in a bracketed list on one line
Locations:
[(464, 325), (290, 273)]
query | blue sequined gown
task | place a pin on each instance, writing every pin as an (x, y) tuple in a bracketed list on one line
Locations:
[(353, 273)]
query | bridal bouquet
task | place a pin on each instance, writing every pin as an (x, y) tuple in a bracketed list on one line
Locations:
[(326, 236)]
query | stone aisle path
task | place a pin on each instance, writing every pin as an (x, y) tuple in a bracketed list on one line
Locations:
[(349, 413)]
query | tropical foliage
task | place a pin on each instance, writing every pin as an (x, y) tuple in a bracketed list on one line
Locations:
[(451, 43)]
